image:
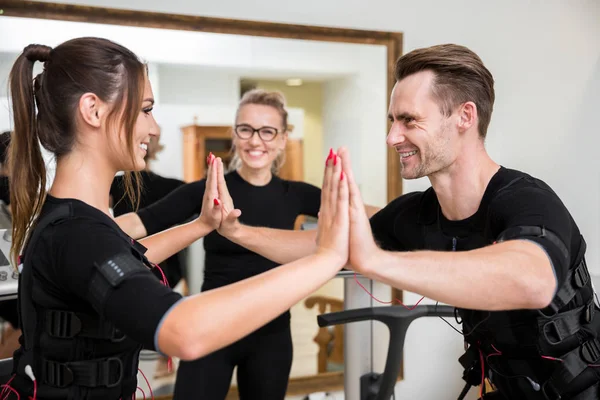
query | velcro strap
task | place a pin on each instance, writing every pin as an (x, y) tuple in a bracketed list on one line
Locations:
[(565, 324), (65, 324), (106, 372), (537, 231), (577, 278), (571, 366), (111, 273), (591, 393)]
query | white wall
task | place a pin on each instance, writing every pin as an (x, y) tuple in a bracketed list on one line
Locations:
[(363, 132), (545, 56), (196, 65)]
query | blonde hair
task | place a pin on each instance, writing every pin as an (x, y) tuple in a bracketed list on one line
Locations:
[(263, 97)]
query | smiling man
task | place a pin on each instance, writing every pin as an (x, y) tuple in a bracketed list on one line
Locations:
[(495, 242)]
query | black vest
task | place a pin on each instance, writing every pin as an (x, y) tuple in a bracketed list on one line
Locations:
[(518, 350), (74, 355)]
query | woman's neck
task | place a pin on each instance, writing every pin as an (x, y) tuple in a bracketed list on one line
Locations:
[(256, 177), (84, 178)]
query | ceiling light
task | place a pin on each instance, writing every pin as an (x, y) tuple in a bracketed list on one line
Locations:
[(294, 82)]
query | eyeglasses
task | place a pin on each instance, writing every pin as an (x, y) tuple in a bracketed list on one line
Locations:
[(245, 131)]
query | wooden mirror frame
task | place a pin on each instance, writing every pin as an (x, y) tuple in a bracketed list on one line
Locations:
[(332, 381)]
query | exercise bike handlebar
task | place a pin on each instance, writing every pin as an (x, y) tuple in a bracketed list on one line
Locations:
[(397, 319)]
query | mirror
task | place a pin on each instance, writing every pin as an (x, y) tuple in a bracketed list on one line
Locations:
[(336, 83)]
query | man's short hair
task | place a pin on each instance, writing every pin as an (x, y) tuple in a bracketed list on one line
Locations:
[(460, 76)]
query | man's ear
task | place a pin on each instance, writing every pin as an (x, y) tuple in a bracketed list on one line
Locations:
[(91, 109), (467, 116)]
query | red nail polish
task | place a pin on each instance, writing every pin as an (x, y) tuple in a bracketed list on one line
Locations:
[(342, 176), (334, 159), (216, 202), (330, 156)]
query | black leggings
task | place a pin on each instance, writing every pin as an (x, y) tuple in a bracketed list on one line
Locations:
[(263, 361)]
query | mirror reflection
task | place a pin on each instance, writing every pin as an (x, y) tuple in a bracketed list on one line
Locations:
[(331, 94)]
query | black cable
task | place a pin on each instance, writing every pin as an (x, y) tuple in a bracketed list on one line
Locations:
[(459, 332), (464, 392)]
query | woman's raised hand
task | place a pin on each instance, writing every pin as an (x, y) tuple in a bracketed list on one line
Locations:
[(334, 227)]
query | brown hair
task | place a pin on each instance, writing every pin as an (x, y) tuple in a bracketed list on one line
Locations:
[(460, 76), (265, 98), (44, 112)]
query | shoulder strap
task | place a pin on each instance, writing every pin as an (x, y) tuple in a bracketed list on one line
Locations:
[(27, 311)]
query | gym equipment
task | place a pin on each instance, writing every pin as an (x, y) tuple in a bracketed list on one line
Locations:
[(9, 278), (360, 381)]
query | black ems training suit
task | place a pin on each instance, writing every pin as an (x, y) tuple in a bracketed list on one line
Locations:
[(527, 354), (88, 301)]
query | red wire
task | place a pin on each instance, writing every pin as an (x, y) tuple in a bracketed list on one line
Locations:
[(10, 389), (386, 302), (552, 358), (142, 390), (147, 383), (164, 278), (6, 386)]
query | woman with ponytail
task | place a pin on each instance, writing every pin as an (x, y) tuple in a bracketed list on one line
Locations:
[(90, 297), (263, 358)]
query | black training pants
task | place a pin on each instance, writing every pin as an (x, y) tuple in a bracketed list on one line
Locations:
[(264, 361)]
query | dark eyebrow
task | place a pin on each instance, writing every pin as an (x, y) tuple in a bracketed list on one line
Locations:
[(403, 116)]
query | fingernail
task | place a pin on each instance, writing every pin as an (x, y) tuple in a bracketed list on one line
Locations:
[(335, 159), (216, 202), (330, 156), (342, 176)]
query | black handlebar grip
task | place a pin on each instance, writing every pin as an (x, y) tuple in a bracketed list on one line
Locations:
[(397, 319)]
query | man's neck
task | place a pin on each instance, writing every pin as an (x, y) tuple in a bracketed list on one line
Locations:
[(461, 186)]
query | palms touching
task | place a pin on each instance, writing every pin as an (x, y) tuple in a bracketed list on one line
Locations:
[(362, 246), (333, 226), (211, 204), (343, 231)]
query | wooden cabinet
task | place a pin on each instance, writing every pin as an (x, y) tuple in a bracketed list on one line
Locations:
[(200, 140)]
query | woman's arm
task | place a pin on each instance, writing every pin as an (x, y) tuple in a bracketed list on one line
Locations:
[(132, 225), (211, 320), (177, 207), (166, 243)]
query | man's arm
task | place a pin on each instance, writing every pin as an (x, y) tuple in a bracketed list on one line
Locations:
[(278, 245), (516, 274)]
